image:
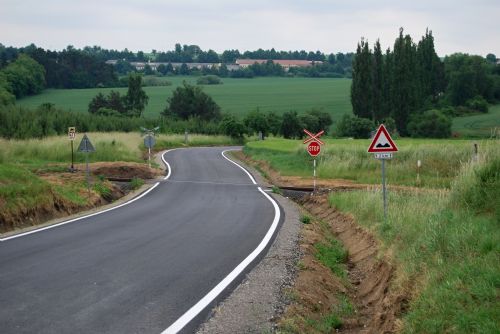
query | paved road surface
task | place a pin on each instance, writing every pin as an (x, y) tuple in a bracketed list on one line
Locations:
[(136, 269)]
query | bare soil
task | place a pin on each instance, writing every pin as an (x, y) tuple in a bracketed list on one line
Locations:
[(379, 306)]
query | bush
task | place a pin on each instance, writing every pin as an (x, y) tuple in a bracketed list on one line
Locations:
[(430, 124), (209, 80), (478, 103), (353, 126), (232, 127)]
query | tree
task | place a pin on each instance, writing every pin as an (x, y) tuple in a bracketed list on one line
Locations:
[(232, 127), (136, 98), (256, 121), (184, 69), (378, 111), (404, 81), (361, 88), (274, 122), (353, 126), (25, 76), (431, 123), (98, 102), (291, 127), (189, 101)]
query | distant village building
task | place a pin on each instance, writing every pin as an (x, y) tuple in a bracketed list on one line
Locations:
[(240, 63), (286, 63)]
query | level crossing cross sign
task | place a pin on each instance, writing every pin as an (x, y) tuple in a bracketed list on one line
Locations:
[(314, 137)]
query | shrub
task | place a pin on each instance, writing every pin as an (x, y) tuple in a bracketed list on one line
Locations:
[(209, 80), (232, 127), (478, 103), (430, 124), (353, 126)]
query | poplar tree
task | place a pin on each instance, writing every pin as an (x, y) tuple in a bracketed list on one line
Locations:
[(378, 110), (404, 81), (361, 88)]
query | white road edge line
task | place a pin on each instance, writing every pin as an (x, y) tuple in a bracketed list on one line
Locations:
[(190, 314), (249, 175), (96, 213)]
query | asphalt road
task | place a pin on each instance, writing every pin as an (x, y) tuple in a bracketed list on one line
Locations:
[(139, 268)]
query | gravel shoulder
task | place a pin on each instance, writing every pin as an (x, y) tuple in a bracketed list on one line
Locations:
[(255, 304)]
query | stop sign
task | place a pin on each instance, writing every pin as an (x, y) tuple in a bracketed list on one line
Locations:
[(313, 148)]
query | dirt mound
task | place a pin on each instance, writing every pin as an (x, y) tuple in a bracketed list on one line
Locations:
[(123, 170), (54, 205), (370, 274)]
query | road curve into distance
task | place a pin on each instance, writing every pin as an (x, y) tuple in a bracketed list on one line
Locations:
[(151, 266)]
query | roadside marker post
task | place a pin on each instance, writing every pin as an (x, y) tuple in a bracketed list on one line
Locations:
[(86, 147), (314, 149), (71, 136), (383, 146)]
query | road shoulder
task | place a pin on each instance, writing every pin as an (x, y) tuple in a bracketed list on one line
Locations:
[(254, 305)]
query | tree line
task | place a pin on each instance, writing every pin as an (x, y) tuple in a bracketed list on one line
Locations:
[(413, 88)]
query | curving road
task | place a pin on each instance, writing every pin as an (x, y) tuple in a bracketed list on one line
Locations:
[(151, 266)]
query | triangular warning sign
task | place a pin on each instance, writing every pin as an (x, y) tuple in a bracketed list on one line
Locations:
[(86, 145), (382, 142)]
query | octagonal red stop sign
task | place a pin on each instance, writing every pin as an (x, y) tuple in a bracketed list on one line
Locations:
[(313, 148)]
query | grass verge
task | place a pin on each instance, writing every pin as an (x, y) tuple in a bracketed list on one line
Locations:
[(441, 160), (447, 248)]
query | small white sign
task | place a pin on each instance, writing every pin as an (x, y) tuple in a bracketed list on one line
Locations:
[(383, 155)]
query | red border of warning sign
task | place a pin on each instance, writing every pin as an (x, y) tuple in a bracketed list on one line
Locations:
[(373, 149)]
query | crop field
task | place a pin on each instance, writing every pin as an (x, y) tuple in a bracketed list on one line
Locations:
[(237, 96), (483, 125)]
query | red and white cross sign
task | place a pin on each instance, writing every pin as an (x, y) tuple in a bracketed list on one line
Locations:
[(314, 137)]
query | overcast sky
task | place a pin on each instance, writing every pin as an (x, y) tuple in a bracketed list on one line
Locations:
[(329, 26)]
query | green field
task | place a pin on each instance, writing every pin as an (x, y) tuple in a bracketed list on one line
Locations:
[(482, 125), (237, 96)]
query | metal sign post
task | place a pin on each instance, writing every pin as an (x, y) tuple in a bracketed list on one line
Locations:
[(86, 147), (71, 136)]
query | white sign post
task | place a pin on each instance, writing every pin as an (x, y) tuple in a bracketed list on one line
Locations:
[(383, 146)]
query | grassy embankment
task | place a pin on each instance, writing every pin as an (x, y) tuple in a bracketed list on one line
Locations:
[(348, 159), (236, 96), (22, 162), (445, 244)]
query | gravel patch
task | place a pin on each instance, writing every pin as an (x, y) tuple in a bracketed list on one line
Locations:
[(259, 300)]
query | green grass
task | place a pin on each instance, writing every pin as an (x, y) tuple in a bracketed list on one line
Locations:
[(348, 159), (237, 96), (447, 250), (333, 255), (41, 154), (482, 125)]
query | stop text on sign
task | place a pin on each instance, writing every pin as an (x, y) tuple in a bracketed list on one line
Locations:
[(313, 148)]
